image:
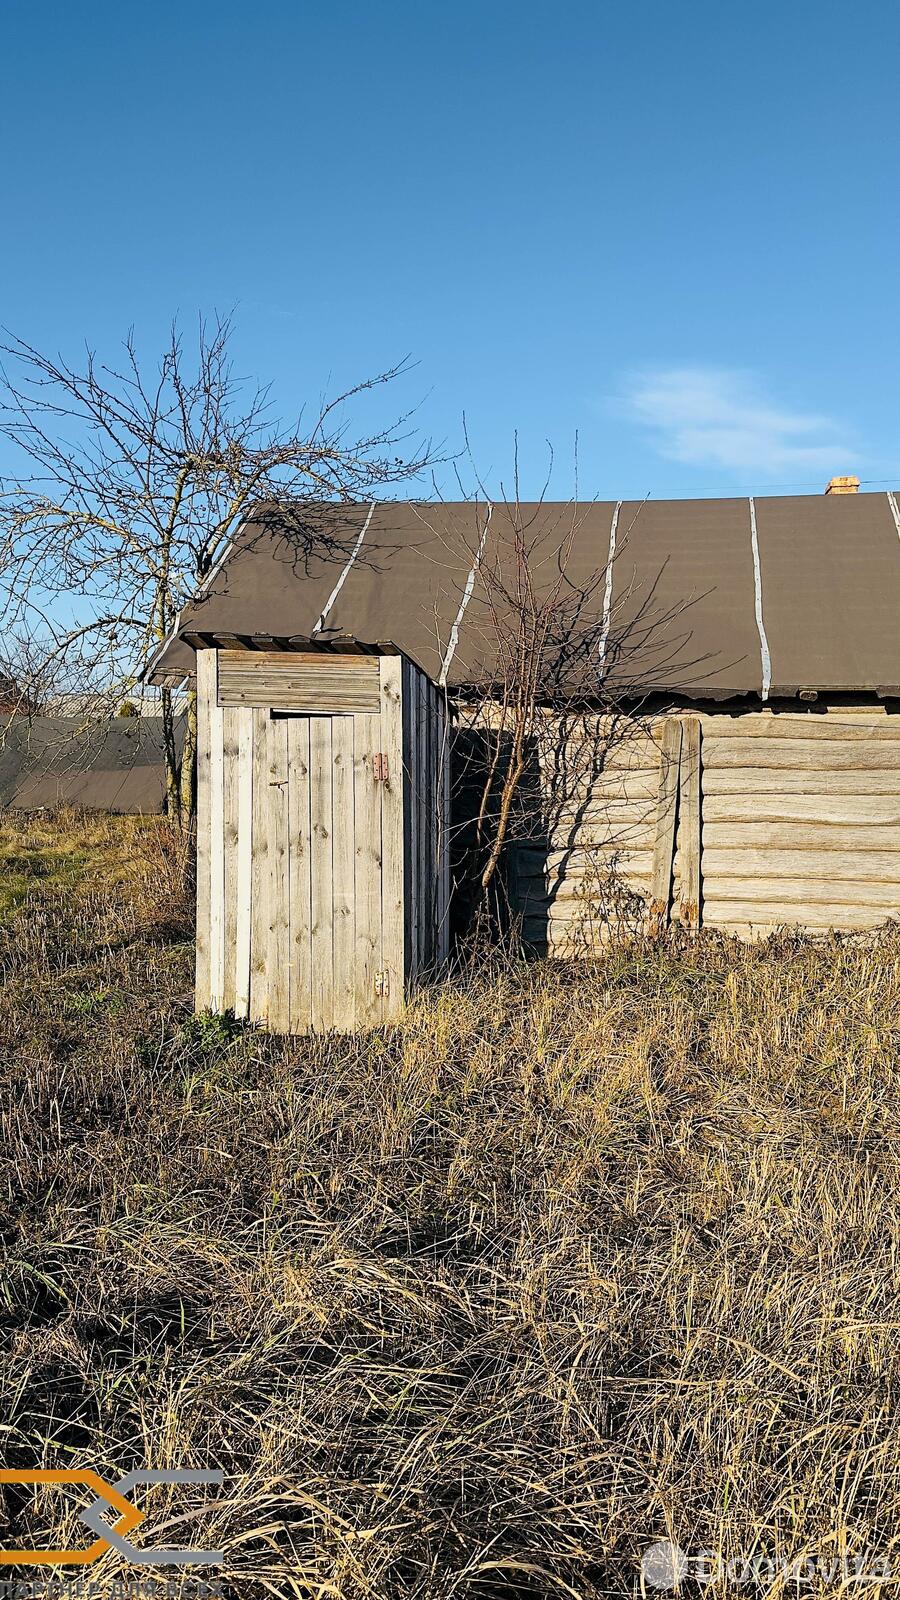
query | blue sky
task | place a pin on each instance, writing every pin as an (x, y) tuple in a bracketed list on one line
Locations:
[(670, 228)]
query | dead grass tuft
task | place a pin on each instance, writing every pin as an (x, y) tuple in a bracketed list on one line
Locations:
[(579, 1258)]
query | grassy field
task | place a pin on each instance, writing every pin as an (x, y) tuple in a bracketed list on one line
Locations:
[(53, 855), (577, 1259)]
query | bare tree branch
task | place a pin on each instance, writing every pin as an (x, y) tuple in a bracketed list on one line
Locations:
[(133, 481)]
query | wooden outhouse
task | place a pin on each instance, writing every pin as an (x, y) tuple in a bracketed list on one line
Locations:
[(322, 867)]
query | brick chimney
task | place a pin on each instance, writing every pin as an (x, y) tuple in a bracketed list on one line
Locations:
[(842, 486)]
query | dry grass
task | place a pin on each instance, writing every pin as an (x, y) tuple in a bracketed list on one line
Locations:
[(578, 1258), (61, 850)]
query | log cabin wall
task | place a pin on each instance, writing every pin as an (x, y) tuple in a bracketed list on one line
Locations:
[(585, 874), (800, 820), (322, 866), (742, 821)]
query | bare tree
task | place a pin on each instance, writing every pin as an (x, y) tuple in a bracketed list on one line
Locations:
[(134, 479), (562, 686), (26, 679)]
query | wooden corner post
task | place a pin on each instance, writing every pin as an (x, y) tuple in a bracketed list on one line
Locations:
[(664, 837), (391, 979), (689, 835)]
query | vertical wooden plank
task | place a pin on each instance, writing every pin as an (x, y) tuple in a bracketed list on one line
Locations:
[(243, 874), (434, 748), (216, 855), (231, 724), (206, 696), (424, 821), (412, 893), (664, 844), (299, 854), (448, 829), (343, 858), (689, 831), (436, 714), (418, 778), (427, 802), (433, 814), (405, 680), (443, 789), (367, 870), (392, 880), (259, 895), (279, 940), (321, 867), (418, 887)]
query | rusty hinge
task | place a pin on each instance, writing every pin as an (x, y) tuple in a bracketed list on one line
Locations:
[(383, 983), (380, 767)]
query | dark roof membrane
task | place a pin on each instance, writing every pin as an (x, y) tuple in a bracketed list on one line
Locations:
[(685, 611), (116, 765)]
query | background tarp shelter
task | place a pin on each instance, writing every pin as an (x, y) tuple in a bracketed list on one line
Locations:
[(114, 765)]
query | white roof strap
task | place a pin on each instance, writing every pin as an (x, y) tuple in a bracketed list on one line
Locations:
[(765, 658), (895, 510), (607, 597), (343, 577), (466, 597)]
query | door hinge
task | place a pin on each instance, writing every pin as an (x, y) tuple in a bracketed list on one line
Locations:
[(383, 983), (380, 767)]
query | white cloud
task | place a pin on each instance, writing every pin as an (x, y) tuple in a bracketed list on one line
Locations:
[(717, 417)]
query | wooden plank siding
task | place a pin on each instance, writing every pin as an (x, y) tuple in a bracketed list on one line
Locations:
[(317, 684), (664, 831), (278, 1013), (321, 838), (766, 802), (394, 878), (412, 811), (427, 823), (244, 866), (801, 821), (321, 859), (300, 873), (599, 781), (216, 857), (689, 837), (231, 744), (367, 871), (343, 907), (443, 830), (206, 700), (259, 868)]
